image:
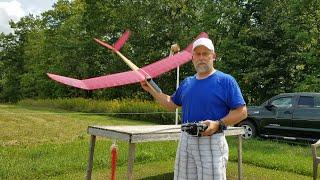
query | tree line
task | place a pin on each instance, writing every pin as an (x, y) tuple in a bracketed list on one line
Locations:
[(270, 46)]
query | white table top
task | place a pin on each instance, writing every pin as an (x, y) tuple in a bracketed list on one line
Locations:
[(145, 133)]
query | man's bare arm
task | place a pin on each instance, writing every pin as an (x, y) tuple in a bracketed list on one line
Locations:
[(163, 99), (233, 117)]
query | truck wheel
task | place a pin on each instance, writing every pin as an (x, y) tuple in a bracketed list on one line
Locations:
[(250, 130)]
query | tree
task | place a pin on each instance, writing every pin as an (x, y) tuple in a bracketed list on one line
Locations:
[(268, 46), (11, 64)]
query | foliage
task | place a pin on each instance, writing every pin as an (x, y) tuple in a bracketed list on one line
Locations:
[(142, 110), (268, 46)]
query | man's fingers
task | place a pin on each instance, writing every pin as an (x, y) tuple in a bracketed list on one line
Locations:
[(212, 127), (143, 84), (206, 122), (205, 133)]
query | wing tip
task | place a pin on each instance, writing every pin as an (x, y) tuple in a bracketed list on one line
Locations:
[(50, 75), (68, 81)]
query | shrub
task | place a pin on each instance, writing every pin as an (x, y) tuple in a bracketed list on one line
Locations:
[(127, 108)]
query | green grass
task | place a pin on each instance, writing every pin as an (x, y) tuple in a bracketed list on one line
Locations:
[(22, 126), (164, 170), (52, 144), (276, 155)]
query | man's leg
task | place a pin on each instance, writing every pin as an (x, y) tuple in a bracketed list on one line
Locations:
[(211, 156), (185, 167)]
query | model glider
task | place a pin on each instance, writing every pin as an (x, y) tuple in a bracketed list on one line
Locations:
[(136, 74)]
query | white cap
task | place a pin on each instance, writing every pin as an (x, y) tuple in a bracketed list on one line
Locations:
[(203, 42)]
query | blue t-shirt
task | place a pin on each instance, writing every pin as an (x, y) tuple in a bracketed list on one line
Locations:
[(210, 98)]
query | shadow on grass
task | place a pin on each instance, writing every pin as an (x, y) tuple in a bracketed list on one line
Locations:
[(159, 177)]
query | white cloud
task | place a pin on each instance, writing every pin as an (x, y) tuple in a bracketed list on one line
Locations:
[(36, 6), (4, 18), (15, 9), (9, 10)]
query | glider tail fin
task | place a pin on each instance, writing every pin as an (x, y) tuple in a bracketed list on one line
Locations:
[(105, 44), (201, 35), (118, 44), (122, 40)]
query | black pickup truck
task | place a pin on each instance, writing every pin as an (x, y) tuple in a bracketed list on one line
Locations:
[(294, 116)]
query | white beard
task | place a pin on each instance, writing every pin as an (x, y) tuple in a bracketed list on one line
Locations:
[(202, 68)]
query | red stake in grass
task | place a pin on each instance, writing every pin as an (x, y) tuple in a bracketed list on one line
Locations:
[(114, 157)]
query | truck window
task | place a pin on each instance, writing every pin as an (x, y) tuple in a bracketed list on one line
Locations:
[(317, 102), (306, 101), (283, 102)]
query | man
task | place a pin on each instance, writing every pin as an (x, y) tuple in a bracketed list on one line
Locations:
[(210, 97)]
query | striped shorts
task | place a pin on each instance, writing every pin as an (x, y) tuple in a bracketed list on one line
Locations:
[(201, 158)]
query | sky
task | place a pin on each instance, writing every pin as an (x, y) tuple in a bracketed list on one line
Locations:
[(15, 9)]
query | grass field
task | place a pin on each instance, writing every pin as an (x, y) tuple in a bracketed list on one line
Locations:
[(41, 143)]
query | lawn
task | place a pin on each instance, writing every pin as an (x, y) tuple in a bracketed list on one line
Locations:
[(42, 143)]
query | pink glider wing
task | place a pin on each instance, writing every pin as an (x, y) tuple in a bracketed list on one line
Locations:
[(159, 67), (113, 80), (128, 77), (171, 62), (68, 81), (106, 81)]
